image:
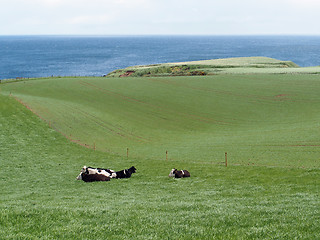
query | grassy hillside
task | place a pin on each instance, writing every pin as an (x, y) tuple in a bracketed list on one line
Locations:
[(267, 123), (40, 198), (244, 65), (258, 119)]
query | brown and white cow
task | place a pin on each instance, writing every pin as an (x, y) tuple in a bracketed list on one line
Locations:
[(85, 171), (179, 174), (90, 174)]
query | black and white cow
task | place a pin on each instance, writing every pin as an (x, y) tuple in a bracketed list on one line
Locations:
[(179, 174), (91, 171), (126, 173), (94, 177)]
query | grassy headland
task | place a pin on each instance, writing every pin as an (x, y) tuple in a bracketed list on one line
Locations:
[(268, 124), (244, 65)]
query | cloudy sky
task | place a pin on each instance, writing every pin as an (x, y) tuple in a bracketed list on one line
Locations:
[(141, 17)]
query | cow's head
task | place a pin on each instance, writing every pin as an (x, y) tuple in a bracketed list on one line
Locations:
[(83, 170), (79, 176), (171, 174), (132, 169), (86, 170)]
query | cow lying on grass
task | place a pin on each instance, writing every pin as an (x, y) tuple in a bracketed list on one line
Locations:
[(100, 171), (179, 174), (90, 174)]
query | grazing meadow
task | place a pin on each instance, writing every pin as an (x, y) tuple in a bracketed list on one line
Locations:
[(267, 123)]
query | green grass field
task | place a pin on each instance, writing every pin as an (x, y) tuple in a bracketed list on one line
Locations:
[(267, 123)]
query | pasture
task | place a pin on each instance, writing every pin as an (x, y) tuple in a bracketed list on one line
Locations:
[(266, 119), (267, 123)]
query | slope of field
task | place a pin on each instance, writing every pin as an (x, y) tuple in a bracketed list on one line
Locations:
[(40, 198), (262, 119)]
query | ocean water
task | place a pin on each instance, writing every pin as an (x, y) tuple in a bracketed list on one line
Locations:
[(43, 56)]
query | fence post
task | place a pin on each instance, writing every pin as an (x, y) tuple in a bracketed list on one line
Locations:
[(226, 159)]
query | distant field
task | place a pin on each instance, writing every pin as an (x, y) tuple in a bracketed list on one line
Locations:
[(267, 123), (244, 65)]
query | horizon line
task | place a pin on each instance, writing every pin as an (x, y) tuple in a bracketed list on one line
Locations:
[(155, 35)]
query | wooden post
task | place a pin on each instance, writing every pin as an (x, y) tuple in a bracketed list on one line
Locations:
[(225, 154), (127, 153), (167, 155)]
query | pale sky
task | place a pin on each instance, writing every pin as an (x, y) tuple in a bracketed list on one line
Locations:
[(165, 17)]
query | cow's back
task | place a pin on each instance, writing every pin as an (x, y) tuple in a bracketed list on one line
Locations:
[(186, 173)]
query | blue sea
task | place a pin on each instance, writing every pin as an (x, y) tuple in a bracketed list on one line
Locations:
[(43, 56)]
